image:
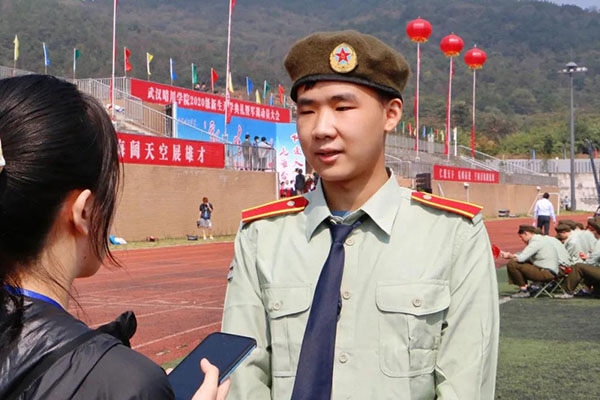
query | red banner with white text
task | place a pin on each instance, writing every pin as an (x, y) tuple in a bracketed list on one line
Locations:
[(445, 173), (163, 94), (155, 150)]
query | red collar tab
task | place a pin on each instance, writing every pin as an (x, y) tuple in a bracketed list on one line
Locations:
[(287, 205), (465, 209)]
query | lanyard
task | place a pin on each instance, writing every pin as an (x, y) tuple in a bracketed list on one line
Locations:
[(32, 294)]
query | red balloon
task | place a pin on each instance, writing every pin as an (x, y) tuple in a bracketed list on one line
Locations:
[(475, 58), (418, 30), (452, 45)]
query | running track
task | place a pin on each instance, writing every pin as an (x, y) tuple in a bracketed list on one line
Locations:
[(177, 293)]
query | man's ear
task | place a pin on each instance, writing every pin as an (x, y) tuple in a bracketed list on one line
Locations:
[(393, 113), (81, 211)]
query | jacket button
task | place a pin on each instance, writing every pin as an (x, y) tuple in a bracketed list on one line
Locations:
[(291, 203), (346, 295), (276, 306), (349, 241), (343, 358), (417, 302)]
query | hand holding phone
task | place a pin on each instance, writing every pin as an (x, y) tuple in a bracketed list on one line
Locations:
[(224, 351), (210, 388)]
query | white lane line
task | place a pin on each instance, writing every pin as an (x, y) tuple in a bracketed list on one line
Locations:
[(174, 335)]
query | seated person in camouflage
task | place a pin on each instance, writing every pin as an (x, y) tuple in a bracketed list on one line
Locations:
[(572, 241), (537, 262), (589, 270)]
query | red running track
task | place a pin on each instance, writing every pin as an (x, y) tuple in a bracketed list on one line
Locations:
[(177, 293)]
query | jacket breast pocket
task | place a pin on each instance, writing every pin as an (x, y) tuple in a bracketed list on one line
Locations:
[(410, 325), (287, 308)]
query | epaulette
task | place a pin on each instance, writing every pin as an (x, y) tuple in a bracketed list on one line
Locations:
[(283, 206), (465, 209)]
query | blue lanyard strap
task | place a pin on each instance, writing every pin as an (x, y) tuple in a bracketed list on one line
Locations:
[(32, 294)]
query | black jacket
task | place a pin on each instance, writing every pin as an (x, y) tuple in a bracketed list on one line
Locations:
[(300, 182), (102, 368)]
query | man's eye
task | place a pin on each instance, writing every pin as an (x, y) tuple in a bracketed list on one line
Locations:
[(305, 112), (343, 108)]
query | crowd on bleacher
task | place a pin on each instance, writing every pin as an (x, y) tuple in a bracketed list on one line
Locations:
[(548, 265)]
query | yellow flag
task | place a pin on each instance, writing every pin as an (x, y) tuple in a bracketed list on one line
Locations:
[(230, 83), (258, 97), (149, 58), (16, 47)]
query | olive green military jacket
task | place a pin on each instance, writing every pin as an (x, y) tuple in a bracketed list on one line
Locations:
[(540, 253), (419, 316)]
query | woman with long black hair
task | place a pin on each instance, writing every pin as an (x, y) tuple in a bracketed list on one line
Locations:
[(59, 177)]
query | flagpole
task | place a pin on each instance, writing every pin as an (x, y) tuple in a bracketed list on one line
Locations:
[(228, 71), (417, 101), (473, 127), (125, 61), (74, 61), (449, 108), (114, 59)]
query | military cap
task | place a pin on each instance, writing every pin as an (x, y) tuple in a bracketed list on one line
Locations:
[(568, 222), (347, 56), (563, 228), (528, 228), (594, 223), (579, 225)]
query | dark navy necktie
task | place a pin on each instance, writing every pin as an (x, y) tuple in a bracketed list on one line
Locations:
[(315, 366)]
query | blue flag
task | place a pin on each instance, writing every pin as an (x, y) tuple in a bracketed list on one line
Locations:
[(271, 100), (249, 86), (173, 76), (46, 58), (424, 132)]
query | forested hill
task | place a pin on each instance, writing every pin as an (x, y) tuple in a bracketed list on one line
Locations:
[(520, 92)]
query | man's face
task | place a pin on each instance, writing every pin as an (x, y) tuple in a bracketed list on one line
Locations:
[(526, 236), (564, 235), (342, 129)]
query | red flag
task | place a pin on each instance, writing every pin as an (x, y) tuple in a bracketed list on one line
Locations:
[(281, 93), (595, 153), (409, 129), (232, 5), (127, 64), (213, 79)]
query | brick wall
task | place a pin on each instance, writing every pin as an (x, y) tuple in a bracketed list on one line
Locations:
[(163, 201)]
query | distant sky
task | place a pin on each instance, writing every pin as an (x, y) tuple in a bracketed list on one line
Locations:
[(580, 3)]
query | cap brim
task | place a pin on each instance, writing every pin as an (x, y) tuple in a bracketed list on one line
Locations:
[(343, 78)]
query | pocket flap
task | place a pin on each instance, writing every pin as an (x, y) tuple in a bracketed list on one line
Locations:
[(282, 300), (416, 298)]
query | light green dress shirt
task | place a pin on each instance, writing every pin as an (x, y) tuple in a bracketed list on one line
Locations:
[(573, 246), (563, 255), (594, 257), (587, 240), (540, 253), (420, 313)]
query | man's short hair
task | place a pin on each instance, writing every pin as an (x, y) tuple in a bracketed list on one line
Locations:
[(528, 228), (560, 228), (247, 136), (546, 195)]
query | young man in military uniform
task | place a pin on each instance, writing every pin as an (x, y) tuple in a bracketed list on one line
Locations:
[(588, 270), (360, 289), (538, 261)]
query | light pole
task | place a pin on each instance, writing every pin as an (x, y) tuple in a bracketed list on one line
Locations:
[(570, 69)]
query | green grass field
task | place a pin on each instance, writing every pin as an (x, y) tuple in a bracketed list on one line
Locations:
[(549, 348)]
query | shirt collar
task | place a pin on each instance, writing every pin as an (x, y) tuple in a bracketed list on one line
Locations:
[(382, 207)]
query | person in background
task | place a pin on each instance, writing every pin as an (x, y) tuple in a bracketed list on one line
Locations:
[(543, 212), (204, 218), (255, 165), (309, 183), (300, 182), (538, 261), (247, 152), (588, 270), (572, 242), (59, 176), (263, 152)]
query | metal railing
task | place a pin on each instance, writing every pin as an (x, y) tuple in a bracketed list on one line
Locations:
[(131, 109), (495, 163), (250, 158), (6, 72)]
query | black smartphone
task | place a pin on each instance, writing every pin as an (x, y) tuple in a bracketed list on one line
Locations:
[(223, 350)]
